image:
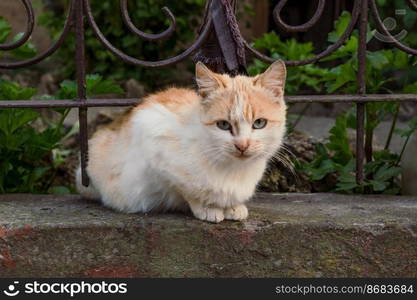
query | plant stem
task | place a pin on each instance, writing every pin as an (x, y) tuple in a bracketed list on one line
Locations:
[(61, 121), (393, 125), (403, 150), (300, 116), (369, 135)]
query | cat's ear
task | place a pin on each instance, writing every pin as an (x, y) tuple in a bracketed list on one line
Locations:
[(273, 78), (207, 81)]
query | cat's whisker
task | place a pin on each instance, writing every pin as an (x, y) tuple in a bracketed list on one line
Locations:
[(286, 162), (285, 147)]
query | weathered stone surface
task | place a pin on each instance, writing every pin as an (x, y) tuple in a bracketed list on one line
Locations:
[(288, 235)]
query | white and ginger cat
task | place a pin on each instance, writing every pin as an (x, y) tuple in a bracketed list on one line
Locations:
[(179, 148)]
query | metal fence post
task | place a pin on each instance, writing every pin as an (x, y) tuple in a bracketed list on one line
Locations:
[(81, 87), (360, 107)]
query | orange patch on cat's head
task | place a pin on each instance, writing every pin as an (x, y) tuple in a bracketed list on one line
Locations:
[(243, 98)]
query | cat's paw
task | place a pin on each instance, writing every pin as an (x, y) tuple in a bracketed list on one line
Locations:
[(237, 213), (213, 215)]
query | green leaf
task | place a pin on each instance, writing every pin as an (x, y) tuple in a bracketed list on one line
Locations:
[(378, 186), (340, 26), (340, 76), (68, 90), (21, 118), (411, 88), (326, 167), (339, 141), (5, 30), (407, 132), (27, 50), (346, 181), (401, 59), (377, 59), (386, 172), (97, 86), (345, 186), (12, 91), (59, 190)]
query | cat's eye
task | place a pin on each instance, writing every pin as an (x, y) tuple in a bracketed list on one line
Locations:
[(224, 125), (259, 124)]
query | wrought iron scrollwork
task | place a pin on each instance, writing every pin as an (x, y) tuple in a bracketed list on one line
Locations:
[(299, 28), (304, 27), (205, 31), (412, 4), (27, 34), (30, 23), (144, 35), (149, 64)]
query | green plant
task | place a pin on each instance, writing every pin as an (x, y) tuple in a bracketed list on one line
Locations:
[(404, 21), (22, 147), (30, 155), (337, 158), (386, 70), (309, 76), (147, 16)]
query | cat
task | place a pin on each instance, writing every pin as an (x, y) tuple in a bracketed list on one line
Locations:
[(205, 150)]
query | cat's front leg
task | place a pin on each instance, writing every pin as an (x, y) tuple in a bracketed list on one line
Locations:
[(207, 213), (236, 213)]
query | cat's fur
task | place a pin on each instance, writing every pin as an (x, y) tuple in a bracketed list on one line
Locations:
[(168, 153)]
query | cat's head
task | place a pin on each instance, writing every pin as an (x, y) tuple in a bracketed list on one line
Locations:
[(243, 117)]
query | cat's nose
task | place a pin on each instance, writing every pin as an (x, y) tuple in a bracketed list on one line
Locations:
[(242, 146)]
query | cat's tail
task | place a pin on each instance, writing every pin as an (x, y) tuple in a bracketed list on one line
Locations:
[(88, 192)]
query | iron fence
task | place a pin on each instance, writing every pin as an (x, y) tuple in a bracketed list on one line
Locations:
[(220, 44)]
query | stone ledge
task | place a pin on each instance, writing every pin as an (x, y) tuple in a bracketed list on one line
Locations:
[(286, 235)]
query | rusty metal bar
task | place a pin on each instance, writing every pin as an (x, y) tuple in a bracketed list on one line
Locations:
[(81, 87), (402, 98), (360, 108), (225, 39)]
